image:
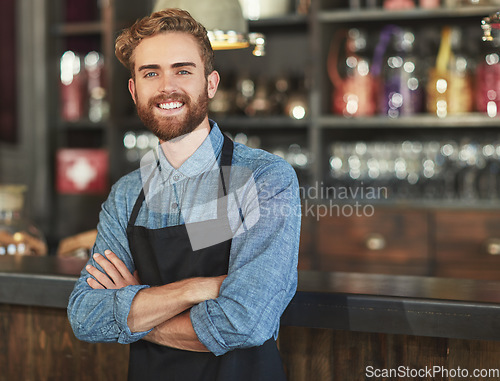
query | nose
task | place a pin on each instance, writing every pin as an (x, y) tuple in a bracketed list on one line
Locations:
[(167, 84)]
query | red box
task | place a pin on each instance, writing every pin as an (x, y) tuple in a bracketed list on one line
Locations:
[(82, 171)]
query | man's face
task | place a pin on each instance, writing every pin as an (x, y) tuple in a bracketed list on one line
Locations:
[(170, 89)]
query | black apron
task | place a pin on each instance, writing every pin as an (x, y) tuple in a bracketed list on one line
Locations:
[(165, 255)]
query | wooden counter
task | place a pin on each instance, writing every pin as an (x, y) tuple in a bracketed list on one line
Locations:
[(337, 325), (36, 339)]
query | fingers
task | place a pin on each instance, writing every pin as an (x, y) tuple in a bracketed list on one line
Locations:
[(94, 284), (121, 268), (114, 273), (100, 277), (110, 271)]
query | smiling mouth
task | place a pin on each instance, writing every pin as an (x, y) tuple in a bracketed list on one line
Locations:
[(170, 105)]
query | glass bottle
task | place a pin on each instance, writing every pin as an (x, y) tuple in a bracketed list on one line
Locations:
[(488, 81), (98, 107), (354, 86), (449, 89), (72, 87), (400, 87), (18, 236)]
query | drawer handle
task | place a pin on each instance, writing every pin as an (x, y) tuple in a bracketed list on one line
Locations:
[(375, 242), (493, 246)]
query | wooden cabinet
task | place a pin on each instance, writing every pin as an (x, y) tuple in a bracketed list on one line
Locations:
[(388, 242), (467, 244), (438, 242)]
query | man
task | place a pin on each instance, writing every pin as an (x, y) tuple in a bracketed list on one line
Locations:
[(196, 254)]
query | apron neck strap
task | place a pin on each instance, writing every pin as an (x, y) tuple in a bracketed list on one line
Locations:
[(225, 166)]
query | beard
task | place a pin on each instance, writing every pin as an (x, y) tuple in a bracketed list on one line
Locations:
[(170, 127)]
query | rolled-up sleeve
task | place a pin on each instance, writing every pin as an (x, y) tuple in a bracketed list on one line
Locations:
[(262, 277), (101, 315)]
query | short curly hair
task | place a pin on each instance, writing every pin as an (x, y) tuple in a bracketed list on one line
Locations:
[(167, 20)]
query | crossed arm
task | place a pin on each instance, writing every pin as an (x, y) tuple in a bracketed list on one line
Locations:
[(164, 309)]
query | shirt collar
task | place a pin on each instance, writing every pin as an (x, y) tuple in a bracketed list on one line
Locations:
[(200, 161)]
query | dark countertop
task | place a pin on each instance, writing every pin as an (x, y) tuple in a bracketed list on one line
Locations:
[(38, 281), (411, 305)]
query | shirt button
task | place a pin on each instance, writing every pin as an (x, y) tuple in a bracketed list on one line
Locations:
[(174, 205), (176, 177)]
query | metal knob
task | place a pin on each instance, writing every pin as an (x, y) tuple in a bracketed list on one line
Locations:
[(375, 242), (493, 246)]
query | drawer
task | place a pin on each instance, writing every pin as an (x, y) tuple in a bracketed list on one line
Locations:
[(389, 241), (468, 244)]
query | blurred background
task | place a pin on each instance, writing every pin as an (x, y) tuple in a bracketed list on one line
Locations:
[(387, 109)]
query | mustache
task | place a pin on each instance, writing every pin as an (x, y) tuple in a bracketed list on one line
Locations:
[(176, 97)]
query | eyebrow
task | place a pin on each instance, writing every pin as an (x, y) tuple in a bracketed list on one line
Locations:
[(182, 64), (148, 67), (173, 66)]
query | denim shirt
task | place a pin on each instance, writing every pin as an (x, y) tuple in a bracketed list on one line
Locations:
[(264, 215)]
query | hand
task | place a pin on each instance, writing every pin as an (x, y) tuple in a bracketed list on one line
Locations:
[(116, 274)]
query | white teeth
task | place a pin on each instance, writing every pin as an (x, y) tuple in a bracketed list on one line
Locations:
[(170, 106)]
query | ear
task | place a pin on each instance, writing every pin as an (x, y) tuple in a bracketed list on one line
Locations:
[(213, 83), (131, 89)]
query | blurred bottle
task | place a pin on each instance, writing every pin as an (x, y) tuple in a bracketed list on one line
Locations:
[(72, 87), (354, 87), (297, 106), (399, 4), (98, 108), (18, 236), (449, 89), (488, 82), (400, 90), (245, 92), (260, 104), (429, 4), (282, 88)]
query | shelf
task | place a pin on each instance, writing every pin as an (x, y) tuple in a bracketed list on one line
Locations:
[(453, 205), (261, 122), (292, 20), (78, 29), (379, 14), (472, 120), (84, 124), (417, 203), (232, 122)]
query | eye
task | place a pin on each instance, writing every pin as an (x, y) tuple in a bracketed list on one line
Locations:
[(150, 74), (184, 72)]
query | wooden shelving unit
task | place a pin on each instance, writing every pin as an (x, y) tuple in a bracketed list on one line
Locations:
[(296, 45)]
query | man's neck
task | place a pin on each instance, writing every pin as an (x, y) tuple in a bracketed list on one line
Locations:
[(178, 150)]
